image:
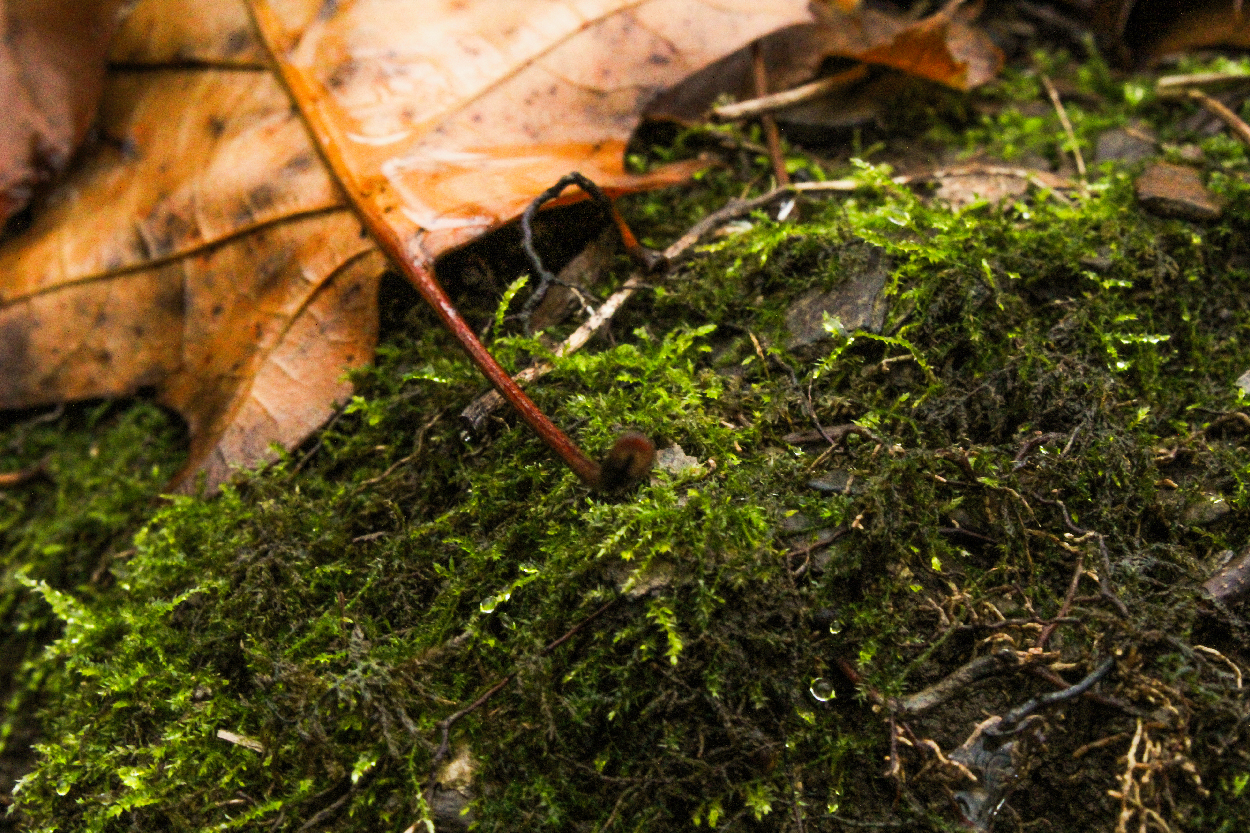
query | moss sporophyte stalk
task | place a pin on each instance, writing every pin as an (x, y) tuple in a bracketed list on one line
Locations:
[(1030, 429)]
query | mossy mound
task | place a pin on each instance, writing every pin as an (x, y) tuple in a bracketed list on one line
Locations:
[(742, 635)]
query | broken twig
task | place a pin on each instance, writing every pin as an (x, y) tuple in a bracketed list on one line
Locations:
[(771, 103), (1067, 125)]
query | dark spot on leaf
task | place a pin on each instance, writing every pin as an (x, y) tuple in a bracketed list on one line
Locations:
[(237, 41), (171, 299), (216, 126), (269, 271), (173, 230), (300, 162), (262, 197), (342, 74)]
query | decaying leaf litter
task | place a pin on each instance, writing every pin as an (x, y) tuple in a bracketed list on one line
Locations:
[(751, 749)]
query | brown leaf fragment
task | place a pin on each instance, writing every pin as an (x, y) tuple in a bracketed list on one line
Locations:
[(263, 361), (1177, 191), (939, 48), (52, 58), (924, 50), (190, 159), (962, 190), (964, 185), (1126, 144)]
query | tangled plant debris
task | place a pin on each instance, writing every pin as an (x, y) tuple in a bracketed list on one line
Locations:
[(898, 542)]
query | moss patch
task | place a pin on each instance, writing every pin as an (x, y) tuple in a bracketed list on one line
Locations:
[(282, 656)]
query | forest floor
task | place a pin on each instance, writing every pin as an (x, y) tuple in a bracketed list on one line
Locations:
[(937, 446)]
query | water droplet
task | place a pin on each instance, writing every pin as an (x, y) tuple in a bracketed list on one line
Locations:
[(489, 604), (897, 216), (822, 689), (835, 628)]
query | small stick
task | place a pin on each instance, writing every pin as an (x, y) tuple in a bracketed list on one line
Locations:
[(1067, 603), (836, 434), (1223, 113), (1012, 721), (477, 411), (1168, 83), (773, 102), (772, 136), (1067, 125), (959, 679)]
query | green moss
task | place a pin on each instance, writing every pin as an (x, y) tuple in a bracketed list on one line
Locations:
[(328, 612)]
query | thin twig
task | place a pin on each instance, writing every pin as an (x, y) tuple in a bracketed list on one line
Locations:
[(773, 102), (833, 435), (958, 680), (772, 136), (824, 539), (479, 409), (1067, 603), (1168, 83), (1223, 113), (1067, 125), (1039, 439), (1012, 721)]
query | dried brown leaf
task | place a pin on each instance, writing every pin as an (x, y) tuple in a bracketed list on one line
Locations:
[(941, 48), (204, 248)]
